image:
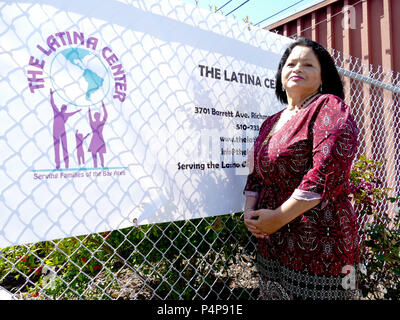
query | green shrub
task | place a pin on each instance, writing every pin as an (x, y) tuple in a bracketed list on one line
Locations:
[(178, 260), (380, 248)]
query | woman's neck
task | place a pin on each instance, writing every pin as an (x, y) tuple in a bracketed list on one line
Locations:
[(297, 101)]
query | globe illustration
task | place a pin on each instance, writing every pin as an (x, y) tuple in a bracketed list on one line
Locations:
[(79, 77)]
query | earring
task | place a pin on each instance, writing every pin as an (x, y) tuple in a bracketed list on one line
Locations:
[(320, 88), (283, 89)]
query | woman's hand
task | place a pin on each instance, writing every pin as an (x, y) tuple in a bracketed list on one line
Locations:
[(265, 221), (248, 215), (262, 222)]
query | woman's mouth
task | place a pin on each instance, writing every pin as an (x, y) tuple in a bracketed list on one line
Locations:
[(295, 78)]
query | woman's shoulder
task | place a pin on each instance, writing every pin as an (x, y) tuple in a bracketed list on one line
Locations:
[(332, 101), (332, 106), (332, 113)]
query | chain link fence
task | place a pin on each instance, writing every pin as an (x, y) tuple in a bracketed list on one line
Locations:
[(373, 94), (207, 258)]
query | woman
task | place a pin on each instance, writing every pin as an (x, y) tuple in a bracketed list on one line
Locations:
[(97, 144), (297, 191)]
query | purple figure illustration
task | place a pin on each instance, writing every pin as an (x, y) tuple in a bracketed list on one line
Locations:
[(97, 144), (79, 146), (59, 134)]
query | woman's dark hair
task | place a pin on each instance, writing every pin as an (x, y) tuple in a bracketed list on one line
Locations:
[(331, 82)]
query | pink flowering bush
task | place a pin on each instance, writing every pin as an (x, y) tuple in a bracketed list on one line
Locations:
[(379, 276)]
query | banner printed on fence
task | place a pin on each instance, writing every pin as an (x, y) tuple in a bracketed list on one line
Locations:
[(115, 114)]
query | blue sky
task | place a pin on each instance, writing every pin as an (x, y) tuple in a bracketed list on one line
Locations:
[(257, 10)]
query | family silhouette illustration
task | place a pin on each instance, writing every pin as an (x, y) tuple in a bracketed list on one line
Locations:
[(79, 147), (97, 145)]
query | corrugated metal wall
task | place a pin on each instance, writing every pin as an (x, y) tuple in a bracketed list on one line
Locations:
[(369, 29)]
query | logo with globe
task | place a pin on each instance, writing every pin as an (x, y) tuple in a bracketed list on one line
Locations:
[(85, 79), (79, 77)]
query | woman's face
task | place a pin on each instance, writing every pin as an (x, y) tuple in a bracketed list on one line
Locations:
[(301, 73)]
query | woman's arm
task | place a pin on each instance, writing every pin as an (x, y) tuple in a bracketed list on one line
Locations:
[(292, 208), (265, 221), (250, 203)]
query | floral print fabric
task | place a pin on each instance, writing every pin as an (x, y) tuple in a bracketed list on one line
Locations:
[(312, 153)]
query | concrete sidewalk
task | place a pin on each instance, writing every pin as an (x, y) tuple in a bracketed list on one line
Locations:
[(6, 295)]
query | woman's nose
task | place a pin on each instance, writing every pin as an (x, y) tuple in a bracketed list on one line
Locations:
[(297, 68)]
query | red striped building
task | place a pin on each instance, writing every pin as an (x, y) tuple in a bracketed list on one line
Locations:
[(367, 29)]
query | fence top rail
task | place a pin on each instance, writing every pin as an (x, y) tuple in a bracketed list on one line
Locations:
[(368, 80), (354, 68)]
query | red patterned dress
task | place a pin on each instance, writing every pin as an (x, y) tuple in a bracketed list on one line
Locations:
[(311, 155)]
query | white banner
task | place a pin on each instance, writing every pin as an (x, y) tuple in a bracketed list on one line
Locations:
[(117, 113)]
